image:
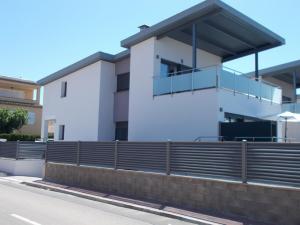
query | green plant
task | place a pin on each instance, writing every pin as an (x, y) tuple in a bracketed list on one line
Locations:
[(19, 137), (11, 120)]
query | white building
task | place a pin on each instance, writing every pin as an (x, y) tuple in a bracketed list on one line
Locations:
[(179, 89)]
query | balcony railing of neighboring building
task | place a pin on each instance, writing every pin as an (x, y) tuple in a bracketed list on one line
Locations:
[(16, 96), (291, 107), (216, 77)]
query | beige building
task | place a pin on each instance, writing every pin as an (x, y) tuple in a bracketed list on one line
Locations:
[(16, 93)]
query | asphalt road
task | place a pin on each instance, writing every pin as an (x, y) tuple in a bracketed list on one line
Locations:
[(22, 205)]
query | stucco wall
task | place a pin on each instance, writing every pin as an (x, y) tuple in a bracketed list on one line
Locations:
[(106, 126), (240, 104), (184, 116), (268, 204), (25, 167), (79, 110)]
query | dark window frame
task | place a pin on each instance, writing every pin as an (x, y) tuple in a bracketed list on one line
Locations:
[(123, 82), (64, 87), (121, 126), (61, 134), (180, 67)]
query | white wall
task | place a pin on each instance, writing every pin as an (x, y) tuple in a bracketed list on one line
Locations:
[(108, 82), (242, 105), (79, 110), (183, 116), (26, 167)]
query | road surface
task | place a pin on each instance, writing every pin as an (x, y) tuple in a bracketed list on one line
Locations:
[(23, 205)]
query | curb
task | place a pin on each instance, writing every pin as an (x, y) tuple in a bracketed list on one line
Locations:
[(122, 204)]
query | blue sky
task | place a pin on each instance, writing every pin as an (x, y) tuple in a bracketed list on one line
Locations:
[(40, 37)]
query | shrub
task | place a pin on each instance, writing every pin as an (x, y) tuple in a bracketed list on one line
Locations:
[(19, 137)]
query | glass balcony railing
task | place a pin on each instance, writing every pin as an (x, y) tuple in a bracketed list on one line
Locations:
[(215, 77), (291, 107)]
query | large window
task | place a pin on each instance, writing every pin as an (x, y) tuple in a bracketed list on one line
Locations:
[(168, 68), (31, 118), (61, 133), (123, 82), (64, 85), (121, 131)]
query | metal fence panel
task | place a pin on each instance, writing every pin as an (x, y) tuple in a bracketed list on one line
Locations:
[(219, 160), (143, 156), (274, 163), (8, 149), (31, 150), (97, 154), (62, 152)]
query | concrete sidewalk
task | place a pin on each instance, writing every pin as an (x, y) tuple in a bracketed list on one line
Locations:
[(154, 208)]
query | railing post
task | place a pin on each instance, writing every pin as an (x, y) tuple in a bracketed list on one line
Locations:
[(171, 85), (17, 149), (234, 83), (116, 155), (78, 154), (192, 81), (168, 149), (244, 161)]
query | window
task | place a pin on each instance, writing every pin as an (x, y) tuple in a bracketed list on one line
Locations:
[(121, 131), (61, 132), (31, 118), (123, 82), (286, 99), (168, 68), (64, 89)]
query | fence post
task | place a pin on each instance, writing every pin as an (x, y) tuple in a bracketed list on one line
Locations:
[(168, 148), (46, 152), (78, 154), (116, 155), (17, 149), (244, 161)]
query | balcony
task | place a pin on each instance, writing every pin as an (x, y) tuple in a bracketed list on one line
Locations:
[(216, 77), (291, 107), (15, 96)]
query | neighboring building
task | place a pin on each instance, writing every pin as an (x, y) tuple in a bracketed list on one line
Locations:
[(287, 76), (179, 88), (16, 93)]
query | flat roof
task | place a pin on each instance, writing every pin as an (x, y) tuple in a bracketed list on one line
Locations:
[(17, 80), (83, 63), (222, 31), (283, 72)]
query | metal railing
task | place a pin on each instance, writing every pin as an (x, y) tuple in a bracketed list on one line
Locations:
[(22, 150), (216, 77), (239, 161)]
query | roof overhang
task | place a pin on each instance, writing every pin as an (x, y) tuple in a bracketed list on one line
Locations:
[(99, 56), (283, 72), (222, 31), (17, 80)]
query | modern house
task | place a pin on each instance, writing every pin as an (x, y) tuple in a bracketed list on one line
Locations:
[(287, 76), (17, 93), (169, 83)]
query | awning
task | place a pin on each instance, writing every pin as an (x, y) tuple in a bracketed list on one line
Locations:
[(222, 31)]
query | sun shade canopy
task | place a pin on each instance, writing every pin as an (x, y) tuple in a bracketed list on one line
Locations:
[(284, 72), (221, 30)]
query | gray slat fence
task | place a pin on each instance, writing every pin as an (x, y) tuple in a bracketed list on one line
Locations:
[(274, 163), (31, 150), (240, 161), (8, 149)]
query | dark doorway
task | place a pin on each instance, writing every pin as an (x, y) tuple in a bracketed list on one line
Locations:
[(262, 131)]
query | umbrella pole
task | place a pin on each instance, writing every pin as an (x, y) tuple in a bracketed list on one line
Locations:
[(285, 133)]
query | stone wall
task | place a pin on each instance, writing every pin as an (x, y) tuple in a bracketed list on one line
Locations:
[(269, 204)]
